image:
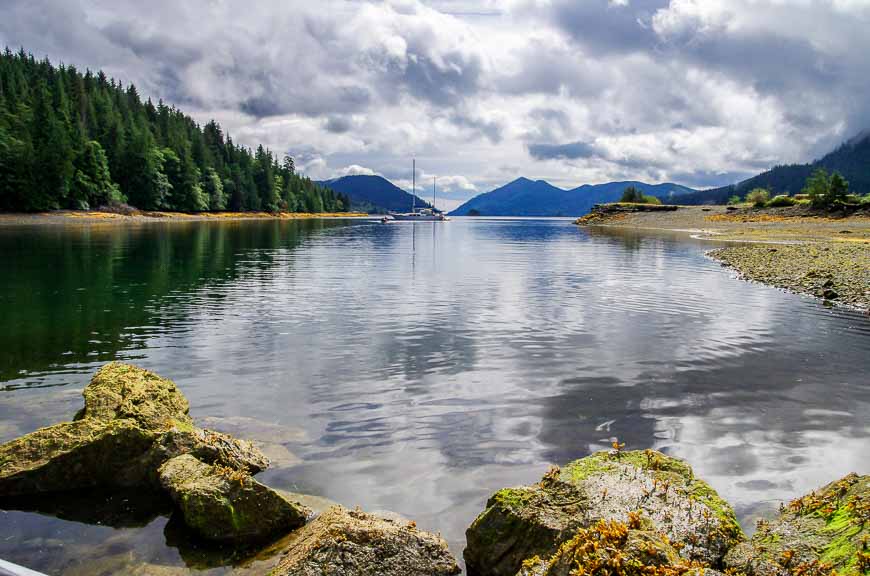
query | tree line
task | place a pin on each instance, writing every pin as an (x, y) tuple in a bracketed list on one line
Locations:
[(81, 140)]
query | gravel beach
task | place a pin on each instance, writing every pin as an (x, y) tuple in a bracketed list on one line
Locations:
[(794, 248)]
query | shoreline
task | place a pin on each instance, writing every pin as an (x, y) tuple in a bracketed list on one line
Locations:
[(793, 248), (73, 217)]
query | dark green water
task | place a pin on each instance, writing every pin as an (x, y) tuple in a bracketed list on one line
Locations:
[(418, 367)]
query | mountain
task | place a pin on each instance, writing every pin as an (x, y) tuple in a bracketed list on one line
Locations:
[(373, 194), (851, 159), (524, 197)]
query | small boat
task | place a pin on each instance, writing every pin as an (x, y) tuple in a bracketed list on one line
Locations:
[(423, 214)]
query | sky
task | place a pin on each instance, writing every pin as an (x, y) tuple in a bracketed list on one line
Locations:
[(697, 92)]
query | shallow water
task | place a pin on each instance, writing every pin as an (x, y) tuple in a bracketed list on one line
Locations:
[(419, 367)]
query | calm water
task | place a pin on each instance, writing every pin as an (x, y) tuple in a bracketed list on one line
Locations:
[(418, 367)]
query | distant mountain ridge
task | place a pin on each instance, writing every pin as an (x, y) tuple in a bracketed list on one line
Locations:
[(373, 194), (525, 197)]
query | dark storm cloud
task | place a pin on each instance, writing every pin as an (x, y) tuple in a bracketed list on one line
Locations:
[(160, 48), (491, 129), (338, 125), (443, 83), (569, 151), (604, 26)]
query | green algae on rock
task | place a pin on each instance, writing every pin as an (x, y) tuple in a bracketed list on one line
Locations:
[(120, 391), (613, 548), (74, 455), (824, 531), (132, 422), (224, 504), (519, 523), (343, 542)]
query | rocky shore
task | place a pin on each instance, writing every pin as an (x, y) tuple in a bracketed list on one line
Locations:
[(613, 513), (794, 248), (838, 273)]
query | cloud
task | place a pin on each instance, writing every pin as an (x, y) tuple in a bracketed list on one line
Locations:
[(695, 91), (571, 150), (355, 170), (338, 124)]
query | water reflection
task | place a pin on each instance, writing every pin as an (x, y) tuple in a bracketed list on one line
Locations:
[(418, 367)]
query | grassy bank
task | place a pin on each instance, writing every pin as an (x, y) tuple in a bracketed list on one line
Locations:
[(93, 217), (795, 248)]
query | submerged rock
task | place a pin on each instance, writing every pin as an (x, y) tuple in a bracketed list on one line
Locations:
[(520, 523), (222, 503), (132, 422), (820, 532), (343, 542)]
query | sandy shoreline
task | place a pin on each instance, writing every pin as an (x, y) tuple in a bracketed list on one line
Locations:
[(792, 248), (66, 217)]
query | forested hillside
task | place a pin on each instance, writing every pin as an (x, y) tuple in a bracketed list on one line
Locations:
[(73, 140), (851, 160)]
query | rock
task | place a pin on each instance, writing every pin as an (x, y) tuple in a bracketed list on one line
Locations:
[(73, 455), (209, 447), (343, 542), (610, 547), (132, 422), (822, 531), (520, 523), (120, 391), (224, 504)]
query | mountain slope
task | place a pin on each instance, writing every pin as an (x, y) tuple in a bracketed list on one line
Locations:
[(373, 194), (524, 197), (852, 160)]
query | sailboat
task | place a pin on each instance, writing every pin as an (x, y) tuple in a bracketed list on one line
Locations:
[(423, 214)]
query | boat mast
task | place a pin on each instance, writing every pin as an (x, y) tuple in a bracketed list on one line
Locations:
[(413, 185), (434, 178)]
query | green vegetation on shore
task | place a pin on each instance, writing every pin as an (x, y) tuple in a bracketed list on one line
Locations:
[(73, 140), (632, 195), (822, 191)]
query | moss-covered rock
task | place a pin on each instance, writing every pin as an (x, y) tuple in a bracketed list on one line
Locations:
[(820, 532), (343, 542), (520, 523), (209, 447), (612, 548), (122, 391), (221, 503), (133, 421), (74, 455)]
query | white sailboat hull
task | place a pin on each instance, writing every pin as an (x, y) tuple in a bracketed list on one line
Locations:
[(419, 217)]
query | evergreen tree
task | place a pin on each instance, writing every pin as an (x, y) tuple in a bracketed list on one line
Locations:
[(213, 188), (92, 184), (52, 155), (73, 140)]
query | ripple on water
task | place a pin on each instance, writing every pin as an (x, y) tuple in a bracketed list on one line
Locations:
[(418, 368)]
